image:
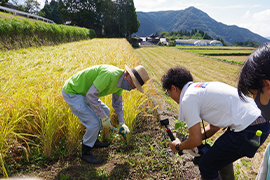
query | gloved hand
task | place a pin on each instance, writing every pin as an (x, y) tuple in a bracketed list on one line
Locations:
[(106, 123), (123, 128)]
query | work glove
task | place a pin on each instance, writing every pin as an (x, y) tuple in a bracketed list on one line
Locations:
[(106, 123), (123, 128)]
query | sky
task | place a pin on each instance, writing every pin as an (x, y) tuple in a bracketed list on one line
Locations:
[(250, 14)]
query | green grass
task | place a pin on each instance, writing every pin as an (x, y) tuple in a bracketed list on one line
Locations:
[(22, 33), (227, 53)]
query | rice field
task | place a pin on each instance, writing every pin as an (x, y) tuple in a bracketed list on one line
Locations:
[(160, 59), (232, 58), (32, 110), (237, 55)]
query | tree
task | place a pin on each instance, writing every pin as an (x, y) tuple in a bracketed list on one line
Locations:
[(247, 44), (127, 18), (192, 32), (197, 36), (50, 11), (201, 32), (222, 41), (32, 6), (206, 36), (162, 34), (132, 22), (109, 21), (3, 2), (83, 13)]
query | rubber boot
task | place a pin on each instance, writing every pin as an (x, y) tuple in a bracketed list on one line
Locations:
[(218, 178), (227, 173), (88, 156), (99, 144)]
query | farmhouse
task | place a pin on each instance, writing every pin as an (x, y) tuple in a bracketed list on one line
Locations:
[(152, 39)]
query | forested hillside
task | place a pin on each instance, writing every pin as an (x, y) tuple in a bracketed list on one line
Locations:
[(193, 18)]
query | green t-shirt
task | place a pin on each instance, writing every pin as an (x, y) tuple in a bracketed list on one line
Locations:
[(104, 77)]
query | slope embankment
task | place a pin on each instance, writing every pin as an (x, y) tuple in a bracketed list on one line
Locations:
[(17, 32)]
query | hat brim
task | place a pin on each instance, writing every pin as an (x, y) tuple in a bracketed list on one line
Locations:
[(134, 79)]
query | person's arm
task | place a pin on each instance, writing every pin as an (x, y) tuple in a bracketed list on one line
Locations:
[(94, 102), (194, 139), (210, 131), (117, 104)]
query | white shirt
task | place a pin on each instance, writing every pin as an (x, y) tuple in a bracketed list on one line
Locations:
[(218, 104)]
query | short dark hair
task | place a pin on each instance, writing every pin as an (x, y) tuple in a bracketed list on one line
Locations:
[(177, 76), (255, 69)]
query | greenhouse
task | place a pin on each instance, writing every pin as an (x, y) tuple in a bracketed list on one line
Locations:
[(200, 43), (216, 43), (197, 42)]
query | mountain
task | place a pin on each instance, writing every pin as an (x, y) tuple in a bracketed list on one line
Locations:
[(193, 18)]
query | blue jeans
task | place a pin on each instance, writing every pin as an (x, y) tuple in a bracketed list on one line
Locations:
[(80, 107), (229, 147)]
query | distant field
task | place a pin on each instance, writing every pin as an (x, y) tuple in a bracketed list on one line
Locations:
[(221, 52), (215, 47), (233, 58), (237, 55), (159, 59)]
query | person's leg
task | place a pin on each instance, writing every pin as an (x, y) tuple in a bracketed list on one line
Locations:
[(80, 107), (217, 157), (228, 148)]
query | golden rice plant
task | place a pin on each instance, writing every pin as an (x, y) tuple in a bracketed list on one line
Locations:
[(31, 84), (132, 107), (10, 133)]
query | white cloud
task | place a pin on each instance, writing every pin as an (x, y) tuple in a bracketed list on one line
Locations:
[(260, 28), (259, 22), (246, 15), (262, 16)]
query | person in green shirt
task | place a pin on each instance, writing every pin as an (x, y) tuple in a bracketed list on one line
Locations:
[(82, 92)]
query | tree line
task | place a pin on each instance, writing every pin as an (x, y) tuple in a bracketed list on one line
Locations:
[(185, 34), (109, 18), (247, 44)]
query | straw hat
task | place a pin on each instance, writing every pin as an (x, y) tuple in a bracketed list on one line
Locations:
[(139, 76)]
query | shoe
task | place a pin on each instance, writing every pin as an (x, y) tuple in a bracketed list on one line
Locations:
[(90, 158), (99, 144), (87, 155)]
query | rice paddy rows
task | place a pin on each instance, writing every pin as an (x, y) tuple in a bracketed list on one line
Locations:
[(159, 59)]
